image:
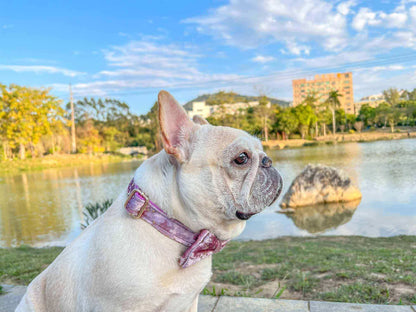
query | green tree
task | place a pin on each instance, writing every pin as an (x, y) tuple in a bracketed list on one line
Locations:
[(367, 114), (305, 116), (312, 100), (341, 118), (392, 96), (333, 103), (286, 122)]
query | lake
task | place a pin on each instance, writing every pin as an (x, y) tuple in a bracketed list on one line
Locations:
[(45, 207)]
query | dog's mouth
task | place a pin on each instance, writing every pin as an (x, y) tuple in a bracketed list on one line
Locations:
[(244, 216)]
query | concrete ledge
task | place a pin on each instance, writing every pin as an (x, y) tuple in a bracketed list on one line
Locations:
[(320, 306), (13, 294), (11, 298), (242, 304)]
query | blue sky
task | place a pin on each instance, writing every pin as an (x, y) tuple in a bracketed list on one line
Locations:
[(132, 49)]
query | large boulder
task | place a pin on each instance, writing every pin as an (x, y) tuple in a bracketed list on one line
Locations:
[(318, 184)]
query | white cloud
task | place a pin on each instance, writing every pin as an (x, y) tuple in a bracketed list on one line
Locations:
[(262, 59), (144, 64), (248, 24), (345, 7), (365, 17), (41, 69)]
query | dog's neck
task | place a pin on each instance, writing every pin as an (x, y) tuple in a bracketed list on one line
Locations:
[(157, 178)]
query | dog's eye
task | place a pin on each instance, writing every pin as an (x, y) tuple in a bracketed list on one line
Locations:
[(241, 159)]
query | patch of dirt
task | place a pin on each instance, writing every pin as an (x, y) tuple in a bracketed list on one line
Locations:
[(379, 276), (400, 291)]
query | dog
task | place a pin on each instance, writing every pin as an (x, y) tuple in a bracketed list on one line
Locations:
[(152, 249)]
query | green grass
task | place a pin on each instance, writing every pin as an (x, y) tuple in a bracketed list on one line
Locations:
[(21, 265), (348, 269)]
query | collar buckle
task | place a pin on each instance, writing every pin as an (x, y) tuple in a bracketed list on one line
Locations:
[(143, 208)]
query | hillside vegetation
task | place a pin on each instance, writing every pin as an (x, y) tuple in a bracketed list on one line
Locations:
[(223, 97)]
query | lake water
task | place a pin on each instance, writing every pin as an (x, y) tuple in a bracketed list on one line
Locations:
[(45, 208)]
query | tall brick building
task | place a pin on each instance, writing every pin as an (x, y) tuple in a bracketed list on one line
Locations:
[(322, 85)]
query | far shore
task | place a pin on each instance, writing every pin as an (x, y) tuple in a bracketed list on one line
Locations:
[(366, 136), (60, 161)]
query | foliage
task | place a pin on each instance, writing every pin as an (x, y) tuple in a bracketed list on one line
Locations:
[(26, 115), (392, 96), (93, 211), (287, 121)]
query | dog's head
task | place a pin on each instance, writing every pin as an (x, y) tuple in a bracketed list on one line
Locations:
[(223, 175)]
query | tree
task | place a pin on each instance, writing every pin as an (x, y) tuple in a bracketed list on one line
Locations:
[(381, 112), (367, 114), (264, 113), (392, 96), (305, 117), (333, 103), (351, 118), (341, 118), (28, 114), (286, 122), (312, 100)]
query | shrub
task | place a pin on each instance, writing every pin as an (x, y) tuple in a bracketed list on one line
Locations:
[(351, 131), (93, 211), (295, 136)]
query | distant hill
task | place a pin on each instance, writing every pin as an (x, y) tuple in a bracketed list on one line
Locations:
[(231, 97)]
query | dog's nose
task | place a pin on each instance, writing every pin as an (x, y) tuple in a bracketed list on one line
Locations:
[(266, 162)]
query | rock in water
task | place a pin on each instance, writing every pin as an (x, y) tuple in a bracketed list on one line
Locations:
[(318, 184)]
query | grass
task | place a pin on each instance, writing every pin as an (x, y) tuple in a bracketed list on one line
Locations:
[(58, 161), (348, 269)]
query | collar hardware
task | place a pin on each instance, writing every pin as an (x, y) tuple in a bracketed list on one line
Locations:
[(140, 212)]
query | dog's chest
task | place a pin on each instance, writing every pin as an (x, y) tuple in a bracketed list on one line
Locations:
[(184, 285)]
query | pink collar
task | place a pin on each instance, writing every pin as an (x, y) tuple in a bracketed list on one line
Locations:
[(200, 245)]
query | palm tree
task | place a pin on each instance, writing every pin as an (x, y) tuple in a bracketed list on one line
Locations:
[(333, 103)]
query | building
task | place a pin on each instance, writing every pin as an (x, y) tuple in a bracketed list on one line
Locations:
[(372, 100), (199, 108), (321, 85), (204, 110)]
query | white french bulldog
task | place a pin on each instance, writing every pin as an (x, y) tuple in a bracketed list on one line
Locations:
[(206, 177)]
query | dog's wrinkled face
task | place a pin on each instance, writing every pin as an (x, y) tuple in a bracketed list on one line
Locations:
[(231, 166), (223, 175)]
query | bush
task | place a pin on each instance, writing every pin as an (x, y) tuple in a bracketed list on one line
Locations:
[(351, 131), (93, 211), (295, 136)]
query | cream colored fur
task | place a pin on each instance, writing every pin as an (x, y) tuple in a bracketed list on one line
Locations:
[(123, 264)]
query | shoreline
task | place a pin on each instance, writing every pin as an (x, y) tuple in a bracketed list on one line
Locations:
[(60, 161), (370, 136), (331, 268)]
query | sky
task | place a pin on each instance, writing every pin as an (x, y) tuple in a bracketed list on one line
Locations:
[(130, 50)]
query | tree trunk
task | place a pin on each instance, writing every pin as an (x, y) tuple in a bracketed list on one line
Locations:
[(316, 129), (266, 130), (22, 153), (334, 126), (5, 147), (324, 130)]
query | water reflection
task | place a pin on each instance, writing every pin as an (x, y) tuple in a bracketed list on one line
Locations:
[(43, 207), (320, 218), (46, 207)]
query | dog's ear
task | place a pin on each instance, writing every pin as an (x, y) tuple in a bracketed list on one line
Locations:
[(175, 126), (199, 120)]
